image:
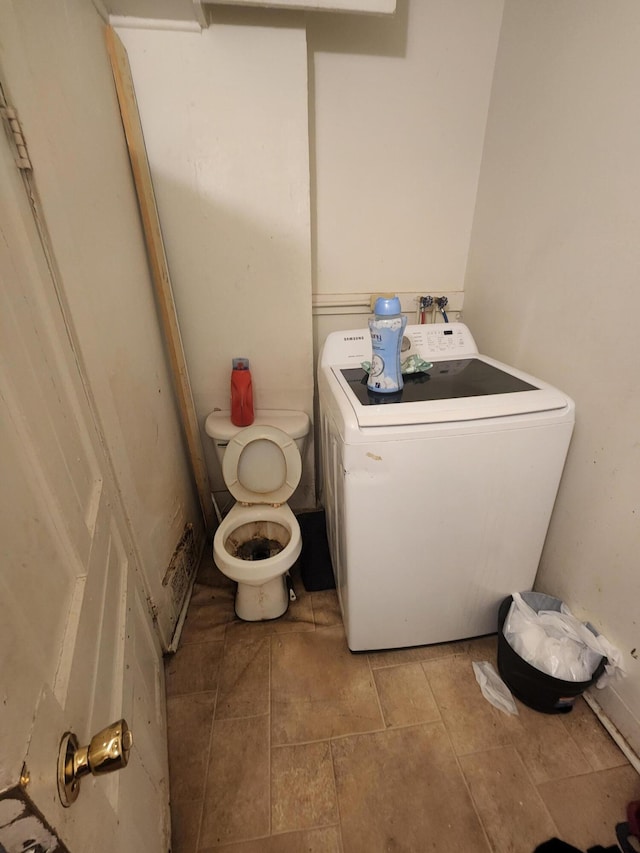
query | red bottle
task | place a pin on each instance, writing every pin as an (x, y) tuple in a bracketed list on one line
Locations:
[(241, 393)]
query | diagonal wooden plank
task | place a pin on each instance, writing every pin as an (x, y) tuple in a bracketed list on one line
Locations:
[(159, 268)]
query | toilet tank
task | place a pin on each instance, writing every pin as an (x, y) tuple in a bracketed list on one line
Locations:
[(218, 426)]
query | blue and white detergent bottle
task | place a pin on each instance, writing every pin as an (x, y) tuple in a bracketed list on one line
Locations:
[(387, 328)]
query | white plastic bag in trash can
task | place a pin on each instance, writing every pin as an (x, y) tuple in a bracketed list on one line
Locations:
[(557, 643)]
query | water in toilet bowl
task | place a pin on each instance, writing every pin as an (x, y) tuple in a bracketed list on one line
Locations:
[(257, 540), (258, 548)]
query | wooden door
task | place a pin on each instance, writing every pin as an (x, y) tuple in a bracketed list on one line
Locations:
[(77, 644)]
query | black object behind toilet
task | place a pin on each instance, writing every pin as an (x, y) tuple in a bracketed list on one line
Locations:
[(315, 561)]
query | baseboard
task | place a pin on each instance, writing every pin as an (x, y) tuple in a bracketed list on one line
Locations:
[(618, 719)]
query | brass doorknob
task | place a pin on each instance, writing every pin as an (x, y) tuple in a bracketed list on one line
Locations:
[(108, 751)]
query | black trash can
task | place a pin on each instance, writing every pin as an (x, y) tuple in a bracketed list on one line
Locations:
[(537, 689)]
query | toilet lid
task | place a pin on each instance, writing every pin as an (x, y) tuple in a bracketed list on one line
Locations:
[(262, 465)]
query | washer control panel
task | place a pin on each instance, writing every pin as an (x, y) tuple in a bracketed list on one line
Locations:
[(437, 341), (431, 341)]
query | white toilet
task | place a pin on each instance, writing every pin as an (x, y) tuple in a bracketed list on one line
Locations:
[(259, 540)]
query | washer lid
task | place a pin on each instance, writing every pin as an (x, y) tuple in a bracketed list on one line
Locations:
[(462, 389), (262, 465)]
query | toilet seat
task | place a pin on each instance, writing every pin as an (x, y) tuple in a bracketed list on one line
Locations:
[(262, 465), (256, 573)]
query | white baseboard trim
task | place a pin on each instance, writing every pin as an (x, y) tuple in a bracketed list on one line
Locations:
[(618, 720)]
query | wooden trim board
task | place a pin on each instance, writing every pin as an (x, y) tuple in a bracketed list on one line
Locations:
[(159, 268)]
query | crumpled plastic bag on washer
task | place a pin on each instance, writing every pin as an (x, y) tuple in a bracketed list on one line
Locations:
[(557, 643), (412, 364)]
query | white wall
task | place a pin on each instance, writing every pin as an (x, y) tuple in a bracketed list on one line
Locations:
[(225, 120), (553, 286), (56, 73), (399, 113)]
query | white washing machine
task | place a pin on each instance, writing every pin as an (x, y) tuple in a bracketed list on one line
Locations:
[(437, 499)]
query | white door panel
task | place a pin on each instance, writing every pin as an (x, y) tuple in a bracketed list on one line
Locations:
[(78, 649)]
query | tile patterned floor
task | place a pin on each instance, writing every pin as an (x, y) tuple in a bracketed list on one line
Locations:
[(282, 741)]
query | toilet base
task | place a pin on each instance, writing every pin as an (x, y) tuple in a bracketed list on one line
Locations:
[(267, 601)]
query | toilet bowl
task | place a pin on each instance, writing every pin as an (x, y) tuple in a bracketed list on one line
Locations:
[(259, 540)]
